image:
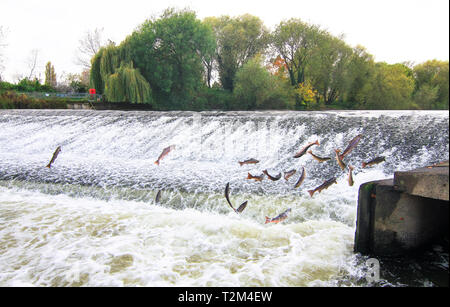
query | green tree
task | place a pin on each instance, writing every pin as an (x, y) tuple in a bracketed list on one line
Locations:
[(168, 51), (430, 75), (50, 75), (257, 88), (328, 68), (389, 88), (361, 69), (238, 40), (296, 42), (127, 85), (96, 80)]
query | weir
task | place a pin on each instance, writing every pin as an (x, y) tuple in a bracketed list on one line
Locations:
[(404, 214), (95, 210)]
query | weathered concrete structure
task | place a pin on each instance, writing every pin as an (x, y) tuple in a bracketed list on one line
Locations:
[(403, 214)]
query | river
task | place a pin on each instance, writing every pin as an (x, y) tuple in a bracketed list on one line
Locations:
[(92, 219)]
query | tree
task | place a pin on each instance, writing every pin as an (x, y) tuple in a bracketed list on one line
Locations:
[(389, 88), (50, 75), (295, 41), (432, 76), (360, 70), (32, 61), (257, 88), (328, 67), (127, 85), (90, 44), (168, 52), (238, 40)]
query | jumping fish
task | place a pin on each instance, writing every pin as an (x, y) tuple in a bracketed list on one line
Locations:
[(351, 145), (55, 154), (320, 159), (304, 149), (281, 217), (301, 179), (339, 160), (350, 176), (323, 186), (374, 161), (288, 174), (257, 178), (164, 153), (158, 197), (227, 196), (272, 177), (249, 161)]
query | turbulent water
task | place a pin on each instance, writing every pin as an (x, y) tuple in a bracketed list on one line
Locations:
[(92, 220)]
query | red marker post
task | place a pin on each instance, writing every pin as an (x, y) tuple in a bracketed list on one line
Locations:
[(92, 93)]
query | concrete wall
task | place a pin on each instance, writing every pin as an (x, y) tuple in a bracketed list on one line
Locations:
[(392, 222)]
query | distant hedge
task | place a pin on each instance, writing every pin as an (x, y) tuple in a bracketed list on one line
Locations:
[(12, 100)]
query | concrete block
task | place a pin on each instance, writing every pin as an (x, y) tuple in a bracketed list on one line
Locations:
[(391, 222), (431, 181)]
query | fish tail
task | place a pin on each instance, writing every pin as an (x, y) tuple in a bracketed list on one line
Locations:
[(48, 165), (267, 220), (311, 192), (317, 142), (249, 176), (350, 167), (364, 164), (157, 162), (241, 163)]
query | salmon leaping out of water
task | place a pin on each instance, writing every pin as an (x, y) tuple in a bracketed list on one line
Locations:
[(304, 149), (249, 161), (257, 178), (351, 145), (350, 176), (323, 186), (158, 197), (227, 196), (281, 217), (301, 179), (272, 177), (164, 153), (374, 161), (288, 174), (339, 160), (320, 159), (55, 154)]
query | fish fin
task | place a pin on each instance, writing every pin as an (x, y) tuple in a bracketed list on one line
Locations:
[(249, 176), (241, 207), (267, 220), (311, 192)]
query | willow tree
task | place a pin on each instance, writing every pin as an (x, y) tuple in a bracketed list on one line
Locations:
[(96, 80), (127, 85)]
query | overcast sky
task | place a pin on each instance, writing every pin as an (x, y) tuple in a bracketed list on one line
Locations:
[(392, 30)]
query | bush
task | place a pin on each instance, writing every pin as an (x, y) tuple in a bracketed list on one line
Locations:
[(13, 100), (256, 88)]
